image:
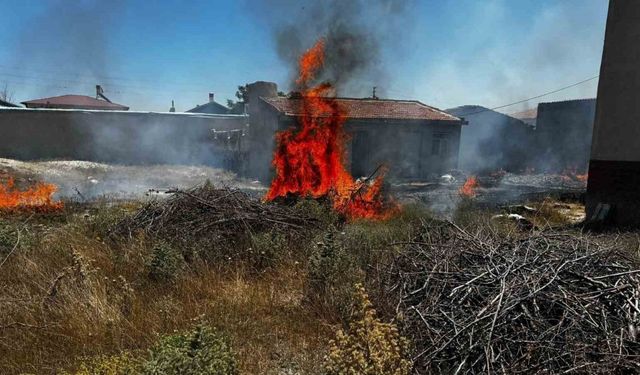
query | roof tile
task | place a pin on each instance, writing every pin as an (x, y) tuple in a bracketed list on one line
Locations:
[(369, 109), (74, 102)]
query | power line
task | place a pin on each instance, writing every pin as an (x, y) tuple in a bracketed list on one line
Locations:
[(531, 98)]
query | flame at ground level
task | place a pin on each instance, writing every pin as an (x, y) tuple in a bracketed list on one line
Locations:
[(468, 190), (309, 160), (36, 198)]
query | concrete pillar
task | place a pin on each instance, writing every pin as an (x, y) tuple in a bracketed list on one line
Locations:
[(263, 123), (613, 191)]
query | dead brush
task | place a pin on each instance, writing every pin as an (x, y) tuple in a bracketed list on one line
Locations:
[(218, 224), (542, 302)]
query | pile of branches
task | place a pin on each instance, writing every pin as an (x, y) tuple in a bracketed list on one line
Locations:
[(207, 212), (548, 302)]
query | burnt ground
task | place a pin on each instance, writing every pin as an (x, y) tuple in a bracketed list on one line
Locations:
[(85, 181), (443, 198), (89, 180)]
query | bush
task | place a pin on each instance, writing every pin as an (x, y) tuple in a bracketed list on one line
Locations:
[(202, 351), (331, 275), (166, 262), (368, 347), (267, 249), (8, 238), (122, 364), (319, 210)]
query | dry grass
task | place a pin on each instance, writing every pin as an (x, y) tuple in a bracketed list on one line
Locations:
[(66, 293)]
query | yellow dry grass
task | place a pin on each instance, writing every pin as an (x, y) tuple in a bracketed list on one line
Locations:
[(65, 294)]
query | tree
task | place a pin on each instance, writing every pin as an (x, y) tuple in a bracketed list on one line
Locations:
[(5, 94), (237, 106)]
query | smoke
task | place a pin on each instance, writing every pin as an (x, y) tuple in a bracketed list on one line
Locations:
[(69, 42), (500, 59), (359, 37), (493, 141)]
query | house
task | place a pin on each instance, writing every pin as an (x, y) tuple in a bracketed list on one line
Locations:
[(99, 103), (74, 102), (563, 134), (414, 140), (613, 189), (493, 140), (212, 107), (4, 103)]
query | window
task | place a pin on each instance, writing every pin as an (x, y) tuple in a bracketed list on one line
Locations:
[(440, 144)]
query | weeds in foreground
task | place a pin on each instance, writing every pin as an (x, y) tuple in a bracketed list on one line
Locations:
[(201, 351), (368, 346)]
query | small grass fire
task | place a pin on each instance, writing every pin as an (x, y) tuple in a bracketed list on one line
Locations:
[(309, 160), (37, 198), (468, 189)]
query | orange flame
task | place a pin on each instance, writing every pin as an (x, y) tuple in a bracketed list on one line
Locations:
[(571, 174), (37, 198), (468, 190), (309, 160), (582, 177)]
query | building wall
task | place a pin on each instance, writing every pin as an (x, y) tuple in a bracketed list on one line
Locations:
[(111, 136), (614, 168), (493, 141), (410, 150), (563, 134)]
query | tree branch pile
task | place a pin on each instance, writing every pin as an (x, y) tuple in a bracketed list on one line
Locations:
[(206, 212), (548, 302)]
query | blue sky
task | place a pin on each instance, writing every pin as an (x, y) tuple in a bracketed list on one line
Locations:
[(146, 53)]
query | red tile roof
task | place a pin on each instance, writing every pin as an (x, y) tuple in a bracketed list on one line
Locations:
[(369, 109), (528, 114), (74, 102)]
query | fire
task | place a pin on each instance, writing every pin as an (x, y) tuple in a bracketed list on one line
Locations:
[(468, 190), (37, 198), (571, 174), (582, 177), (309, 160)]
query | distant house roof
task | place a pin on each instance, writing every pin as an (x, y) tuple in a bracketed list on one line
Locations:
[(528, 114), (211, 107), (479, 113), (74, 102), (568, 103), (369, 109), (4, 103)]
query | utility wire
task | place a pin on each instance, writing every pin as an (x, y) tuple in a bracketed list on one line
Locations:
[(531, 98)]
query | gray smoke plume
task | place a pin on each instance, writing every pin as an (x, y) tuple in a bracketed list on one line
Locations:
[(70, 39), (358, 35)]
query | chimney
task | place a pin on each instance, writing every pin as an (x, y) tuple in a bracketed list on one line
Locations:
[(210, 97), (173, 107), (100, 93)]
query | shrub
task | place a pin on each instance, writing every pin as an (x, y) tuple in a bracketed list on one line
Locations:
[(122, 364), (202, 351), (318, 209), (166, 262), (331, 275), (369, 346), (8, 238), (267, 248)]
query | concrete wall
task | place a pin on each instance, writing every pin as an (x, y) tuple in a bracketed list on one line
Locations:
[(563, 134), (264, 123), (614, 168), (493, 140), (111, 136)]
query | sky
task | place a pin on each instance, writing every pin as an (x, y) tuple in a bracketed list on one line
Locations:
[(444, 53)]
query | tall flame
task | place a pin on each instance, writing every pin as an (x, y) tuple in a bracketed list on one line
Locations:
[(37, 198), (309, 160)]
